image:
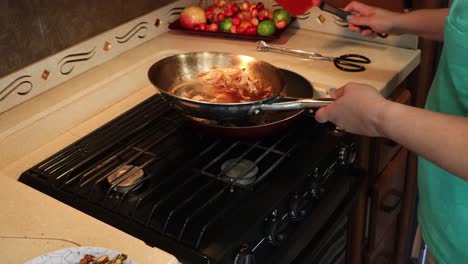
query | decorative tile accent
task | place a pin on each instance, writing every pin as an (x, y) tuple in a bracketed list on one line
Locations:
[(28, 82), (107, 46), (140, 30), (67, 63), (45, 75), (321, 19), (22, 86), (157, 23)]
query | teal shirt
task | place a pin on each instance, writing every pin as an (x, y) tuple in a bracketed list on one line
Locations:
[(443, 204)]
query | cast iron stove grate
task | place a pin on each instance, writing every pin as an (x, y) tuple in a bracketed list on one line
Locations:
[(149, 174)]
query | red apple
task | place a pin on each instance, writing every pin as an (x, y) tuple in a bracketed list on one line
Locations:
[(192, 16)]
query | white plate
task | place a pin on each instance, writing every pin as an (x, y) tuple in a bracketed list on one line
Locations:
[(74, 255)]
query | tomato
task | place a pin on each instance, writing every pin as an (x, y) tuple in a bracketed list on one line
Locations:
[(222, 3), (234, 29), (246, 15), (228, 13), (269, 14), (254, 21), (244, 6), (245, 24), (209, 14), (280, 24), (254, 12), (220, 17), (251, 30), (260, 6), (235, 8), (235, 21), (213, 27), (240, 30), (203, 26)]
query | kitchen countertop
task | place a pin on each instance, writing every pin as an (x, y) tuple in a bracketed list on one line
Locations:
[(33, 223)]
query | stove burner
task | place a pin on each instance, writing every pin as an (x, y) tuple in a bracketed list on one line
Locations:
[(242, 171), (127, 178)]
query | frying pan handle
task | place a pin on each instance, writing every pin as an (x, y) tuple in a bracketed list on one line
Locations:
[(297, 104)]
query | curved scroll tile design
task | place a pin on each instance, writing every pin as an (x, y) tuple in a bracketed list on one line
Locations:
[(17, 85), (304, 16), (173, 13), (340, 22), (70, 60), (139, 30)]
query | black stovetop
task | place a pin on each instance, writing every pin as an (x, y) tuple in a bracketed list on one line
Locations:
[(184, 203)]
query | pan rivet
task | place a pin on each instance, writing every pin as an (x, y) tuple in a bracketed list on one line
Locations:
[(256, 111)]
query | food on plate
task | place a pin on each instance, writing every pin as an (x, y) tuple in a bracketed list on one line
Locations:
[(224, 85), (192, 16), (236, 18), (90, 259)]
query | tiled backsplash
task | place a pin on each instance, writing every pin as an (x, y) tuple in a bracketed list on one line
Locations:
[(33, 30), (63, 65)]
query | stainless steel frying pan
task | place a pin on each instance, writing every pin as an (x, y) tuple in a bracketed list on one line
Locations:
[(178, 69)]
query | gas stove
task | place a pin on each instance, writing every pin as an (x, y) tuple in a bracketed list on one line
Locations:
[(283, 198)]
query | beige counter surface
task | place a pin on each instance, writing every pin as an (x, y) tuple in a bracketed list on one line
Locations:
[(33, 223)]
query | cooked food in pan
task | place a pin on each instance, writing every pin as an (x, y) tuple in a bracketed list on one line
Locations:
[(224, 85)]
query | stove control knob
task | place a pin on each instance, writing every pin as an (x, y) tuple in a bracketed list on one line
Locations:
[(316, 190), (296, 207), (245, 256), (347, 155), (275, 230)]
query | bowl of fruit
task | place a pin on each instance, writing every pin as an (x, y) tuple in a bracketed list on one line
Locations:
[(243, 20)]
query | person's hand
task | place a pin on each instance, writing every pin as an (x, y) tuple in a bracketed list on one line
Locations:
[(357, 109), (379, 20)]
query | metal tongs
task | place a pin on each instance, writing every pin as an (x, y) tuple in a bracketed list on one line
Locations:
[(348, 62)]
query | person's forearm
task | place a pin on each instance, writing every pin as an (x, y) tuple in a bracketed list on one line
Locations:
[(440, 138), (427, 23)]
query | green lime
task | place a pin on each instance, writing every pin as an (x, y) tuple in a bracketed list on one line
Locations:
[(225, 25), (281, 14), (266, 28)]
